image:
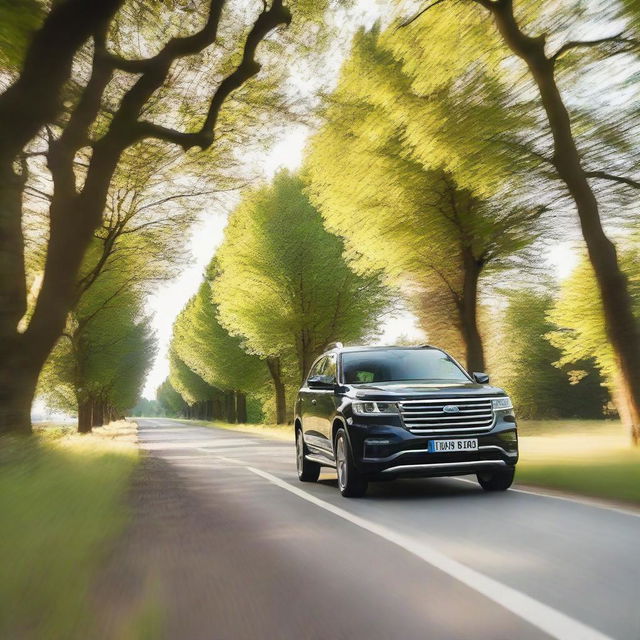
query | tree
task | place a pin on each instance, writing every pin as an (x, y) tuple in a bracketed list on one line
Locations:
[(170, 400), (580, 331), (526, 363), (369, 178), (284, 286), (567, 161), (200, 397), (98, 366), (207, 349), (75, 31), (146, 408)]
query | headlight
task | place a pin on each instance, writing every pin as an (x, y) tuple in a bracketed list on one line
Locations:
[(503, 403), (367, 408)]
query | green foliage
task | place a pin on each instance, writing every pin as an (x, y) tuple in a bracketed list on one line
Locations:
[(578, 317), (18, 20), (524, 359), (207, 349), (107, 348), (388, 184), (186, 382), (170, 400), (147, 408), (284, 286)]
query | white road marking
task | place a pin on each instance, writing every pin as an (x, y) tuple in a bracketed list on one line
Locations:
[(551, 621), (584, 501)]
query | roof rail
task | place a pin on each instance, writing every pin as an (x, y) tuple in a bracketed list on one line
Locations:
[(426, 346), (334, 345)]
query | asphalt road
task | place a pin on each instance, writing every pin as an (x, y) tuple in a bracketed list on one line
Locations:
[(436, 559)]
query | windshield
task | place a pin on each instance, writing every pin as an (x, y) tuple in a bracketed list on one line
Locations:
[(400, 364)]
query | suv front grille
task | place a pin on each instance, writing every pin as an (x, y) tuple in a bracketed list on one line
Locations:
[(428, 415)]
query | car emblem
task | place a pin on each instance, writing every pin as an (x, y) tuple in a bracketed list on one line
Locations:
[(451, 408)]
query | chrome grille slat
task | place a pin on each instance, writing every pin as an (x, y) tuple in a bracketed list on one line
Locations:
[(427, 415)]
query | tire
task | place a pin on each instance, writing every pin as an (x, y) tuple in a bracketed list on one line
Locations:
[(308, 471), (351, 482), (499, 480)]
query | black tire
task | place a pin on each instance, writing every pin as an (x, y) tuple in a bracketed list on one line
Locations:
[(351, 482), (498, 480), (308, 471)]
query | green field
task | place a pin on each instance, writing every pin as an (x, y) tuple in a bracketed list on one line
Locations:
[(590, 457), (62, 504)]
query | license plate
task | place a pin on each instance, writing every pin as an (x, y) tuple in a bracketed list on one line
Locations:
[(460, 444)]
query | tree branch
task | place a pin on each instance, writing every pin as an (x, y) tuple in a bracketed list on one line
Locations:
[(415, 16), (576, 44), (248, 67), (603, 175)]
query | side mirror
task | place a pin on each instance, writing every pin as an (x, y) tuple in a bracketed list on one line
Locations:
[(321, 382), (481, 378)]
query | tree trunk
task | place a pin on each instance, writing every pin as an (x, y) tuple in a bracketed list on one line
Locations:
[(273, 364), (98, 413), (17, 388), (622, 328), (230, 403), (85, 415), (624, 407), (469, 313), (241, 407)]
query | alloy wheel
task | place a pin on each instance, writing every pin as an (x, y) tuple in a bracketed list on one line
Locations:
[(341, 463)]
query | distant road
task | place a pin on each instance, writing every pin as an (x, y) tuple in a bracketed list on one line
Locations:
[(435, 559)]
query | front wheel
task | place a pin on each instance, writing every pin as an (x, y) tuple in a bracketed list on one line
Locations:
[(308, 471), (498, 480), (351, 482)]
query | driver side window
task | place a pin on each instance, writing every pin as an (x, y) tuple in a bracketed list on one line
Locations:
[(317, 368), (330, 370)]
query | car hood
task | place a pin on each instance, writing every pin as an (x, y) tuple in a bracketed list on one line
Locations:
[(416, 390)]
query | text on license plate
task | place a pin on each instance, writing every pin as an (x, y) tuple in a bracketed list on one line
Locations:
[(458, 444)]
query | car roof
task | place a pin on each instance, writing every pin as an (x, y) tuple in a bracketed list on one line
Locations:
[(379, 348)]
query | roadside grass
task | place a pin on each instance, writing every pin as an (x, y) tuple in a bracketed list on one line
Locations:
[(589, 457), (61, 500)]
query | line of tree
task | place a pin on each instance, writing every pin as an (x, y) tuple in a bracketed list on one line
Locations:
[(277, 292), (443, 158), (505, 65)]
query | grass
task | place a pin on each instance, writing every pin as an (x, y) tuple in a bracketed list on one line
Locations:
[(61, 500), (589, 457)]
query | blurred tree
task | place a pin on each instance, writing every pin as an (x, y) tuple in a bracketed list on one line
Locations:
[(170, 400), (207, 349), (147, 408), (284, 286), (525, 363), (580, 332), (556, 142), (117, 99), (368, 176), (98, 367)]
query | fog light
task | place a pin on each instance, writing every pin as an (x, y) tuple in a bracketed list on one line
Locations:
[(376, 448)]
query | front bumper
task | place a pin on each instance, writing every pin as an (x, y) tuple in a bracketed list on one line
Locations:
[(390, 450)]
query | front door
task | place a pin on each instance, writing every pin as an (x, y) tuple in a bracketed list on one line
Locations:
[(311, 423), (326, 402)]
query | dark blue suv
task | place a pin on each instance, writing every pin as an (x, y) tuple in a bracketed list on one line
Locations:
[(383, 412)]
